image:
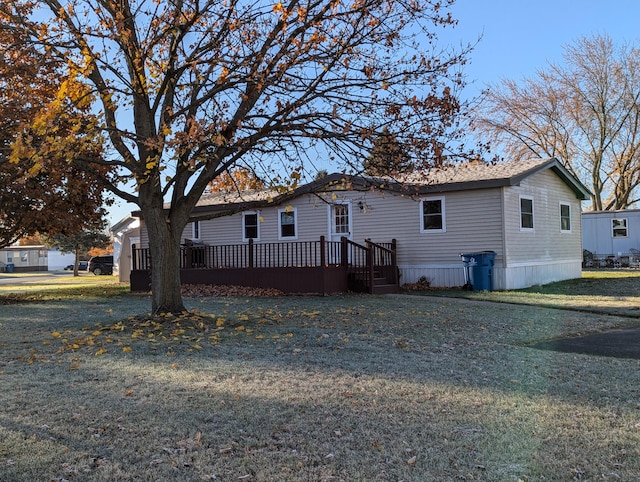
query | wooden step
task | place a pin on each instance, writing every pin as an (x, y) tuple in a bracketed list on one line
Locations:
[(385, 289)]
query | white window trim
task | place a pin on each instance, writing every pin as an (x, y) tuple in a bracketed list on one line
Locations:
[(244, 231), (295, 224), (533, 213), (626, 227), (196, 230), (566, 231), (442, 213), (332, 220)]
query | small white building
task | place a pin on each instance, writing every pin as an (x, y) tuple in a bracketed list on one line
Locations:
[(58, 260), (126, 236)]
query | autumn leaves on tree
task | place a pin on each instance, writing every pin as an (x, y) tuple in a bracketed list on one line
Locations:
[(185, 91), (43, 189)]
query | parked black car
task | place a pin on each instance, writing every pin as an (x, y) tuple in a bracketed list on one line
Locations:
[(82, 266), (101, 265)]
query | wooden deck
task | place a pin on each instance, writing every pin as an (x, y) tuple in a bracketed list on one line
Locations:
[(320, 267)]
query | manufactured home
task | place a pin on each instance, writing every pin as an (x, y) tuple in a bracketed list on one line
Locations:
[(527, 213), (611, 238), (22, 259)]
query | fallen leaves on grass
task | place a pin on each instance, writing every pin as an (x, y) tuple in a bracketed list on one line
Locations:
[(171, 334), (197, 291)]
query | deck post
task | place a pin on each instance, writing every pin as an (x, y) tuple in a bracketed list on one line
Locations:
[(394, 262), (323, 252), (134, 255), (250, 252), (370, 272), (344, 246)]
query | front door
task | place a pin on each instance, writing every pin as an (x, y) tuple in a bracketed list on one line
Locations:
[(339, 226)]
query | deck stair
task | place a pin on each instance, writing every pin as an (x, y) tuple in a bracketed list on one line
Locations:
[(372, 267)]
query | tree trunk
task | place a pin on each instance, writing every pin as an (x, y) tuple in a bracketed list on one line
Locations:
[(164, 248), (76, 258)]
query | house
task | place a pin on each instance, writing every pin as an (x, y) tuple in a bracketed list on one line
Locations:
[(611, 238), (527, 212), (126, 237), (22, 259)]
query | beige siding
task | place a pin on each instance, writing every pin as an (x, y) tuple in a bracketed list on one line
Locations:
[(545, 254), (545, 243), (473, 223)]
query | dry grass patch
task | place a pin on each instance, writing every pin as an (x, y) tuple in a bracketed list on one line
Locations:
[(354, 388)]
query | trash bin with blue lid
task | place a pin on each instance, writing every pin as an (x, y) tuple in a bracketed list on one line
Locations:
[(478, 270), (10, 267)]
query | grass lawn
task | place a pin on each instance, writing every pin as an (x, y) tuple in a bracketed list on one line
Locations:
[(607, 292), (353, 388)]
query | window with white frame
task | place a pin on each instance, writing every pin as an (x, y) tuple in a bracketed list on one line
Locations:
[(619, 228), (195, 230), (340, 218), (287, 223), (565, 217), (250, 226), (526, 213), (432, 216)]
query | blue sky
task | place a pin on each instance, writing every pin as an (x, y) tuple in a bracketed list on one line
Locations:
[(519, 37)]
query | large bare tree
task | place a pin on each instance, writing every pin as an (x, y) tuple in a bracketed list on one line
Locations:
[(583, 111), (188, 89)]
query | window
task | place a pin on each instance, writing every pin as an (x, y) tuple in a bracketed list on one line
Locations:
[(619, 228), (565, 217), (432, 215), (24, 256), (526, 213), (287, 222), (250, 226), (341, 218), (195, 230)]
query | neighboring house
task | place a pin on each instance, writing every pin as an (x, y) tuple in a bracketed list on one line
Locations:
[(613, 237), (527, 212), (22, 259), (126, 237)]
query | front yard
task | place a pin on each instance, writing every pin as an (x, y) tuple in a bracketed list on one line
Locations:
[(354, 388)]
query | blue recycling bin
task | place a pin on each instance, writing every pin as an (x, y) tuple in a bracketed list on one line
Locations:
[(9, 267), (478, 268)]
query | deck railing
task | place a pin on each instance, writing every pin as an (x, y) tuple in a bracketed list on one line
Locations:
[(251, 255), (363, 262)]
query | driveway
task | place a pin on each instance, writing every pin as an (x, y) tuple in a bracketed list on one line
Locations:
[(622, 343), (26, 278)]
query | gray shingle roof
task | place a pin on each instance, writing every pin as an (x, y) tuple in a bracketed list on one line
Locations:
[(455, 178)]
